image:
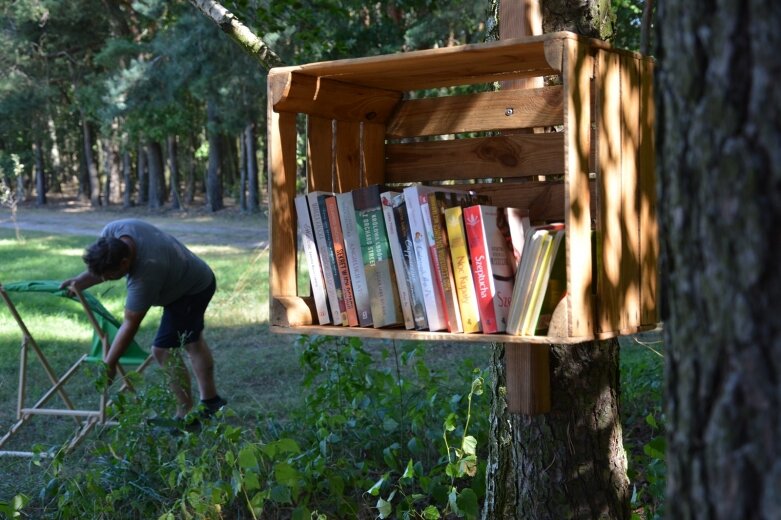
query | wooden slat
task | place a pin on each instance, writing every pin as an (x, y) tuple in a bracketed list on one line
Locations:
[(649, 228), (527, 369), (413, 335), (373, 153), (630, 218), (282, 190), (483, 157), (348, 155), (333, 99), (502, 110), (544, 200), (578, 67), (292, 311), (609, 192), (320, 173)]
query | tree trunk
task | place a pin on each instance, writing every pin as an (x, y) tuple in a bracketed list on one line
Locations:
[(127, 170), (173, 168), (154, 156), (189, 192), (718, 123), (570, 462), (93, 177), (142, 177), (112, 189), (253, 204), (214, 173), (40, 174), (55, 171), (243, 172)]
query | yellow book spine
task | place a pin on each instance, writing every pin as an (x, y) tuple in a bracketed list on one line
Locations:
[(537, 287), (462, 270)]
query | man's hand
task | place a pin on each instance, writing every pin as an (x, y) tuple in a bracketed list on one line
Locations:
[(83, 281)]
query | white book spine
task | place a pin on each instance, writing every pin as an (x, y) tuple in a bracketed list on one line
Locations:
[(352, 244), (322, 249), (434, 306), (398, 258), (312, 260)]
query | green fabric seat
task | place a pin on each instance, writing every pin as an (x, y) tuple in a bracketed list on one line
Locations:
[(134, 355)]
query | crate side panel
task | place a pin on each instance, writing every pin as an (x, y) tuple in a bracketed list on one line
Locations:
[(373, 155), (578, 70), (649, 227), (630, 213), (608, 166), (320, 167), (348, 155)]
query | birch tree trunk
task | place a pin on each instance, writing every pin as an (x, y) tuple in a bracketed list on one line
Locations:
[(92, 170), (40, 174), (719, 155)]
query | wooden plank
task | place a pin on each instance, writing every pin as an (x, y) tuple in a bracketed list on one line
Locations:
[(609, 191), (282, 189), (373, 157), (649, 227), (578, 69), (292, 311), (502, 110), (480, 157), (320, 173), (333, 99), (412, 335), (348, 155), (544, 200), (527, 371), (630, 215), (520, 19)]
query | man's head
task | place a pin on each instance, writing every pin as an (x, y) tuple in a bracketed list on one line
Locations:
[(108, 258)]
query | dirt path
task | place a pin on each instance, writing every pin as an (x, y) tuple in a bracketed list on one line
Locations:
[(228, 227)]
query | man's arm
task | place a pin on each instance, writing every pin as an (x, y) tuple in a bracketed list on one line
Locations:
[(83, 281), (125, 334)]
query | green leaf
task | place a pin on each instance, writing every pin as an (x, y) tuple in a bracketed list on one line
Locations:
[(431, 513), (651, 421), (301, 513), (467, 466), (390, 424), (467, 503), (281, 495), (450, 422), (251, 482), (469, 445), (285, 474), (247, 458), (410, 471), (385, 508), (375, 489), (286, 445)]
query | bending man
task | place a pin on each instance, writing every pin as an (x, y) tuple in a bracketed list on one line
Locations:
[(160, 271)]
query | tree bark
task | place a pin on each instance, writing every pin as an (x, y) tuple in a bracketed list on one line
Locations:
[(127, 172), (89, 159), (154, 155), (173, 168), (143, 176), (243, 172), (40, 175), (214, 173), (719, 165), (253, 204), (570, 462), (189, 192)]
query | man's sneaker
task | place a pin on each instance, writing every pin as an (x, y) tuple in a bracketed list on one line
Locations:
[(211, 406)]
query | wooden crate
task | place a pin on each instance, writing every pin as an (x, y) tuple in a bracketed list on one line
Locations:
[(371, 120)]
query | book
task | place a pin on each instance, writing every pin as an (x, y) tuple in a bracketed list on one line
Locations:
[(399, 206), (316, 200), (341, 261), (380, 277), (441, 269), (352, 245), (402, 279), (556, 289), (532, 312), (309, 247), (462, 270), (519, 224)]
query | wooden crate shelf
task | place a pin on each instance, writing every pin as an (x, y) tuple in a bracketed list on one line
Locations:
[(580, 150)]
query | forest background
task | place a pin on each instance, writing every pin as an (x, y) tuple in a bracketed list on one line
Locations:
[(145, 106)]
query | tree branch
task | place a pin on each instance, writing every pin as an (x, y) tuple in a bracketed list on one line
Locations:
[(239, 32)]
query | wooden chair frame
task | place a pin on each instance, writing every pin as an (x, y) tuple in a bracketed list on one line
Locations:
[(86, 419)]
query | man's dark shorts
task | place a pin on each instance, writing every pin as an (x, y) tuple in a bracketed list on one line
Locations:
[(182, 320)]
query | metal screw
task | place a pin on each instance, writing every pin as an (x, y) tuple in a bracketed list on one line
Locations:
[(508, 111)]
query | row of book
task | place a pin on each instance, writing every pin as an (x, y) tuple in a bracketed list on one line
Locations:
[(428, 258)]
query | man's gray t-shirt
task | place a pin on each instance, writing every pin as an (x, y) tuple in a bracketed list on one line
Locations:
[(164, 270)]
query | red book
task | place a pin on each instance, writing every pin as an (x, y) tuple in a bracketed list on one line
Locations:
[(341, 261)]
